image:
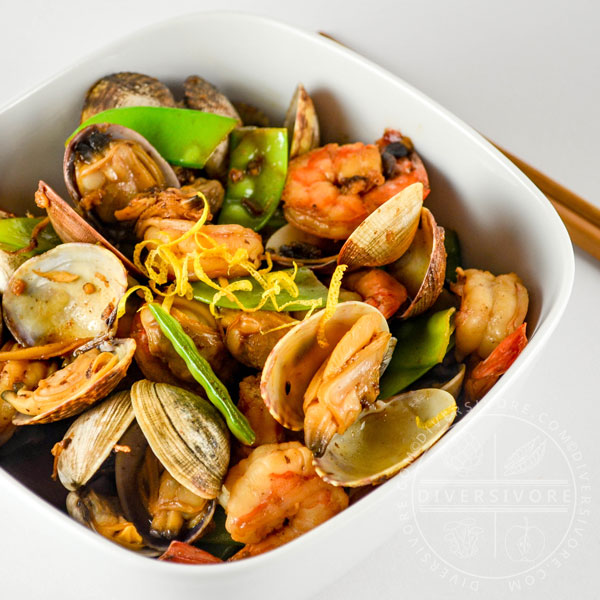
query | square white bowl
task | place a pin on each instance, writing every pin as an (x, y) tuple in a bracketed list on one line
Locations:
[(504, 223)]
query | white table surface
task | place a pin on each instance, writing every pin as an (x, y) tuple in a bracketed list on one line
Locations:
[(526, 74)]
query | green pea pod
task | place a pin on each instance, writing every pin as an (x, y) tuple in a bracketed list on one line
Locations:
[(453, 254), (15, 234), (422, 344), (309, 288), (202, 372), (182, 136), (257, 171)]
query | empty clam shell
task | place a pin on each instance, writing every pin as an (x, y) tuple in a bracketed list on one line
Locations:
[(387, 438), (128, 467), (125, 89), (422, 268), (68, 293), (66, 393), (91, 438), (387, 233), (302, 123), (70, 226), (297, 356), (186, 433), (290, 245)]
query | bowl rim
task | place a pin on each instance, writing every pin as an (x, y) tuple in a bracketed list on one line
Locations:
[(541, 332)]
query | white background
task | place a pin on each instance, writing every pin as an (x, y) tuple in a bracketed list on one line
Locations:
[(524, 73)]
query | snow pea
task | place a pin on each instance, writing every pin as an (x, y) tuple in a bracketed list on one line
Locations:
[(310, 289), (202, 372), (422, 343), (257, 171), (16, 234), (181, 136)]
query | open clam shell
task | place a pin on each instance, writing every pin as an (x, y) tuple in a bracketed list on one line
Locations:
[(387, 438), (91, 438), (68, 293), (422, 268), (127, 474), (302, 123), (67, 392), (186, 433), (70, 226), (290, 245), (387, 233), (103, 515), (88, 148), (297, 356)]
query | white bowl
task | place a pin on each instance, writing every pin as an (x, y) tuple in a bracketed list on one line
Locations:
[(504, 222)]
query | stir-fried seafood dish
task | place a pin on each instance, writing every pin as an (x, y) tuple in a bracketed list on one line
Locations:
[(243, 329)]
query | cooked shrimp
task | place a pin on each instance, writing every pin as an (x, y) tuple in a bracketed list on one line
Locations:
[(491, 308), (275, 495), (251, 404), (377, 288), (345, 382), (324, 188), (174, 203), (229, 237), (487, 372), (402, 167)]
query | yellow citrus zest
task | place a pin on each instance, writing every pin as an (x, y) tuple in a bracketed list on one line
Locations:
[(123, 301), (332, 301), (162, 261), (429, 423)]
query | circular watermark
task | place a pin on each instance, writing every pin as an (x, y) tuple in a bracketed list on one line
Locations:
[(509, 501)]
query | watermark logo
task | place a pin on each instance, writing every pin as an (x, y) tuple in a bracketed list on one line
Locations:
[(509, 501)]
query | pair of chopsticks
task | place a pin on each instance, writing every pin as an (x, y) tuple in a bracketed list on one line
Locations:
[(581, 219)]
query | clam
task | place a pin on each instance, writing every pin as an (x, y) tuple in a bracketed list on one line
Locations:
[(92, 375), (125, 89), (103, 515), (186, 433), (296, 358), (387, 233), (302, 123), (106, 166), (91, 438), (68, 293), (422, 268), (290, 245), (199, 94), (153, 502), (70, 226), (386, 438), (251, 115)]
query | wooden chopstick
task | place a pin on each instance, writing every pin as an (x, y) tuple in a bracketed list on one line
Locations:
[(581, 219)]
